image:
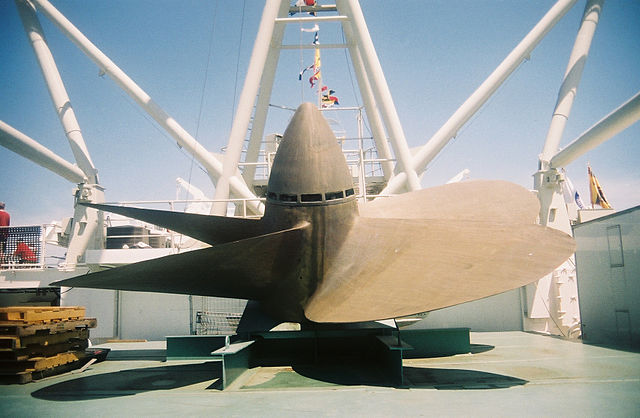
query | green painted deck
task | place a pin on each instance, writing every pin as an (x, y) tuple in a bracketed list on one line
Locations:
[(506, 374)]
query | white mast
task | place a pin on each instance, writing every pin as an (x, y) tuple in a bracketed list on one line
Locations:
[(384, 101), (572, 76), (88, 231), (551, 306), (21, 144), (449, 130), (56, 88), (371, 81), (609, 126), (209, 161), (261, 50)]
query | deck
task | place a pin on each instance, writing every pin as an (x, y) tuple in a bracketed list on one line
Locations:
[(506, 374)]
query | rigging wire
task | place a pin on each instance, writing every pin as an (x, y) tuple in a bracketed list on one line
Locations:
[(478, 113), (301, 65), (350, 67), (336, 113), (546, 306), (204, 85), (235, 84), (127, 99), (350, 72)]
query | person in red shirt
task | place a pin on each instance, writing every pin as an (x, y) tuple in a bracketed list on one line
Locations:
[(24, 253), (5, 220)]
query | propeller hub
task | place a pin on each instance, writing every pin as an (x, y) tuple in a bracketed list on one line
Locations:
[(309, 167)]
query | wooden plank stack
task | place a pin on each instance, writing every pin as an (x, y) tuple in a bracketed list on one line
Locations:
[(40, 341)]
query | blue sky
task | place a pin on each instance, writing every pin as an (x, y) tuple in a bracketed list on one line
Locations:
[(434, 55)]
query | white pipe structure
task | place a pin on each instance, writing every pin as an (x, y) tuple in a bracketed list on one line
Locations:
[(323, 46), (27, 147), (210, 163), (57, 91), (195, 193), (272, 9), (310, 19), (88, 232), (312, 9), (615, 122), (573, 74), (373, 116), (547, 305), (262, 105), (379, 85), (449, 130), (259, 81)]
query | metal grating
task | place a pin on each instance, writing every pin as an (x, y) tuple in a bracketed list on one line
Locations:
[(216, 316), (21, 247)]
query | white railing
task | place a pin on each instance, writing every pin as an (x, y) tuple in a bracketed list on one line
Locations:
[(182, 204), (23, 247)]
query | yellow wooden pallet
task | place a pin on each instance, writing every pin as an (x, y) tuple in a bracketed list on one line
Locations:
[(14, 342), (37, 341), (20, 329), (23, 354), (37, 368), (30, 314), (39, 363)]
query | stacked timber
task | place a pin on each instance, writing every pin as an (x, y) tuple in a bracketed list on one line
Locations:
[(37, 342)]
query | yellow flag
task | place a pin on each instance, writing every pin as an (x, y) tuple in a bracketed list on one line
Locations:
[(597, 194)]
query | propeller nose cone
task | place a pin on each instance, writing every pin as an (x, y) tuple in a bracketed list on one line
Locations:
[(309, 163)]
